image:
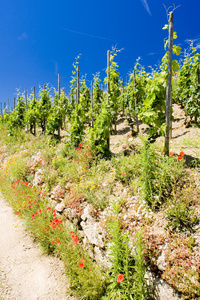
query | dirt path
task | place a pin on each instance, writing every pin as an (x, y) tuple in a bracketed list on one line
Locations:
[(26, 273)]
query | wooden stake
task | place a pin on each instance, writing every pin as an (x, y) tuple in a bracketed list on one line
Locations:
[(78, 83), (92, 104), (26, 109), (108, 75), (135, 103), (169, 85)]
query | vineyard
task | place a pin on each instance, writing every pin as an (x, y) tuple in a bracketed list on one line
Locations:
[(107, 178)]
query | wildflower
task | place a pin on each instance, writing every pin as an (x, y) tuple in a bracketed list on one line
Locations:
[(180, 158), (123, 174), (29, 206), (16, 194), (54, 215), (28, 196), (18, 180), (80, 145), (22, 193), (171, 153), (75, 160), (120, 278), (79, 149), (30, 185), (87, 147), (75, 240), (54, 211), (80, 265), (53, 242), (39, 211), (13, 187), (86, 166), (49, 208), (26, 182), (125, 147), (29, 202), (35, 191), (18, 212), (58, 242), (182, 153), (46, 229), (44, 195), (34, 201), (58, 226), (82, 260)]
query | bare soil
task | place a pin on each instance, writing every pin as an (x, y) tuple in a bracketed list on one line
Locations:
[(25, 272)]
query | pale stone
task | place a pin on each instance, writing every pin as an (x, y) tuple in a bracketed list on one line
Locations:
[(60, 207), (94, 233), (58, 193), (86, 213), (38, 179), (101, 258)]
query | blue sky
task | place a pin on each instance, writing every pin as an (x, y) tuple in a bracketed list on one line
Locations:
[(39, 38)]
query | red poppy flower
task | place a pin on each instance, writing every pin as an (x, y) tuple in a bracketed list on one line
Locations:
[(86, 166), (35, 191), (18, 180), (22, 193), (58, 242), (49, 208), (87, 147), (171, 153), (53, 226), (13, 187), (29, 202), (82, 260), (54, 215), (71, 231), (33, 216), (39, 211), (18, 212), (29, 206), (120, 278), (44, 195), (75, 240), (80, 145), (26, 182), (53, 242), (56, 239), (79, 149), (30, 185), (16, 194), (28, 196), (73, 236), (123, 174), (46, 229), (54, 211), (180, 158), (75, 160), (182, 153), (125, 147), (80, 265), (34, 201)]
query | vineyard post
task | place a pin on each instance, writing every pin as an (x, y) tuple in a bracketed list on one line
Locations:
[(123, 96), (1, 112), (59, 99), (34, 122), (198, 81), (135, 102), (108, 75), (4, 105), (14, 103), (108, 88), (169, 86), (26, 109), (92, 104), (78, 83)]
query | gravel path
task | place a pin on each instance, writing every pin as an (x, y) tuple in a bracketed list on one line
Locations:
[(25, 272)]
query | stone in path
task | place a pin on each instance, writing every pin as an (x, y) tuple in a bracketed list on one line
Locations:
[(25, 272)]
